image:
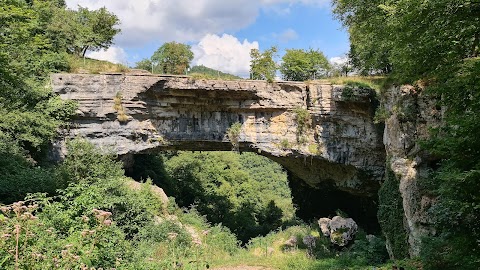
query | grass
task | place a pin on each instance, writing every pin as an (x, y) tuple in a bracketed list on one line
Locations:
[(375, 82), (93, 66), (221, 76), (269, 251)]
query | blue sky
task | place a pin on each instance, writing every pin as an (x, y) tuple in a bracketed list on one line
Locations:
[(221, 32)]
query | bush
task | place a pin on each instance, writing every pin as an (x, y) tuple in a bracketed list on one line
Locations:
[(233, 134), (391, 215), (20, 176), (302, 119), (370, 249)]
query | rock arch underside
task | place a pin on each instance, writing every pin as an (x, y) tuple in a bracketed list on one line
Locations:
[(340, 146)]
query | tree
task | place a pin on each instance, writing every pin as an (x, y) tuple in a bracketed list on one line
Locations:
[(144, 64), (369, 34), (172, 58), (83, 29), (262, 65), (302, 65), (341, 67), (413, 39)]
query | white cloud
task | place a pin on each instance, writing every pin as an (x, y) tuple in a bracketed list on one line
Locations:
[(225, 53), (113, 54), (291, 2), (286, 36), (144, 21), (339, 60)]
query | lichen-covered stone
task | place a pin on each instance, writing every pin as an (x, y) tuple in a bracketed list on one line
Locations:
[(340, 230), (324, 224)]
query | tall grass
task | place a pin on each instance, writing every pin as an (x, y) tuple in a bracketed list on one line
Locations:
[(93, 66), (375, 82)]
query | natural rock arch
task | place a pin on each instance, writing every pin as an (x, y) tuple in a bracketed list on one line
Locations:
[(130, 114)]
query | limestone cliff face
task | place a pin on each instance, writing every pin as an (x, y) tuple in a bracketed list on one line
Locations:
[(339, 143), (411, 115)]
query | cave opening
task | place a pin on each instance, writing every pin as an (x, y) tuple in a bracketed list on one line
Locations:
[(325, 200), (308, 203)]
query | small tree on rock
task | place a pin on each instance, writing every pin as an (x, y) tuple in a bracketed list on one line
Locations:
[(173, 58), (302, 65), (262, 65), (85, 30)]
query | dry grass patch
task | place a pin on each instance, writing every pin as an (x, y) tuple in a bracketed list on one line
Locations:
[(93, 66)]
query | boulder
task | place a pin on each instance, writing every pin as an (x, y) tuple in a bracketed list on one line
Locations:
[(324, 226), (340, 230)]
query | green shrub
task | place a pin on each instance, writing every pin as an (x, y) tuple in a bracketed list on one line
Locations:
[(19, 175), (302, 119), (285, 144), (233, 134), (381, 114), (391, 215), (371, 249), (29, 243)]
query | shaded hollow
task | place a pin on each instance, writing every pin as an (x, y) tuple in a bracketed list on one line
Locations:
[(325, 200)]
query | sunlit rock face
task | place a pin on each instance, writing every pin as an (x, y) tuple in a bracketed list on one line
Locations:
[(411, 115), (130, 114)]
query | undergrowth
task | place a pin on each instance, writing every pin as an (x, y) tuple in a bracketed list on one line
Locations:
[(100, 221), (374, 82)]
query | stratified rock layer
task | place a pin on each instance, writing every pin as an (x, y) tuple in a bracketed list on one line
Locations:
[(341, 144)]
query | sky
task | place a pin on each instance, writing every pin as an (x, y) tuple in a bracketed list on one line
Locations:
[(221, 32)]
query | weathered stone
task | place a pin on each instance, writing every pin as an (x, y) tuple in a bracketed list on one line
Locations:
[(157, 191), (324, 226), (291, 243), (412, 113), (340, 230), (341, 144)]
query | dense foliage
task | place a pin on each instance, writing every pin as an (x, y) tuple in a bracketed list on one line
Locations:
[(391, 216), (303, 65), (437, 42), (262, 64), (414, 39), (172, 58), (100, 220), (84, 30), (35, 39), (247, 193)]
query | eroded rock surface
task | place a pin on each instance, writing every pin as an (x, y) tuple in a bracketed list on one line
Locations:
[(139, 113), (411, 114), (340, 230)]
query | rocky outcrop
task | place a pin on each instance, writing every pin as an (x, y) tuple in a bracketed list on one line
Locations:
[(137, 113), (340, 230), (410, 114)]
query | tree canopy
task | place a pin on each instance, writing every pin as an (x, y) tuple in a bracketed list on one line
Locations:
[(262, 64), (247, 193), (414, 39), (172, 58), (302, 65), (33, 43), (85, 30)]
